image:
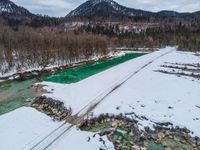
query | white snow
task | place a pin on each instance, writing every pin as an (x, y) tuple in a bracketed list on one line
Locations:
[(25, 127), (78, 95), (148, 93), (2, 80), (80, 140), (151, 93), (22, 127)]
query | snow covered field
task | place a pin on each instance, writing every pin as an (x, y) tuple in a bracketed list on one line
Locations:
[(80, 94), (157, 96), (25, 127), (80, 140)]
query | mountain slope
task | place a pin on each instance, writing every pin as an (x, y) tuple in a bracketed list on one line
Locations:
[(8, 7), (14, 15), (11, 14), (106, 8)]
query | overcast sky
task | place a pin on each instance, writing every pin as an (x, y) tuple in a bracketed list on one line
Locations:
[(62, 7)]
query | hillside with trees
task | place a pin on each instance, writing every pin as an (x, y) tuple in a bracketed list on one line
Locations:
[(33, 40)]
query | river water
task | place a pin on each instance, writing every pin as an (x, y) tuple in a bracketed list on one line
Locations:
[(15, 94)]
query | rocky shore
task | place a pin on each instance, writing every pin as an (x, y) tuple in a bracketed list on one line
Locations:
[(125, 134), (123, 131), (51, 107)]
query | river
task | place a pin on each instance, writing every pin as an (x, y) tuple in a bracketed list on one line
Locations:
[(14, 94)]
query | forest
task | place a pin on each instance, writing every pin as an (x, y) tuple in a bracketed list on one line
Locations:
[(185, 36), (28, 47), (42, 47)]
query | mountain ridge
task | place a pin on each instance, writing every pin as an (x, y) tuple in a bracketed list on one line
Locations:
[(14, 15), (111, 8), (9, 7), (98, 8)]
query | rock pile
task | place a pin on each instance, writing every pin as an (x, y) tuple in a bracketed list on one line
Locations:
[(177, 134), (51, 107), (119, 125), (161, 134)]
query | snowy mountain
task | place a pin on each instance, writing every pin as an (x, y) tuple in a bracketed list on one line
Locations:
[(14, 15), (8, 7), (105, 8)]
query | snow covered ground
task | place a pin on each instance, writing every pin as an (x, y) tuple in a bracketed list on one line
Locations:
[(80, 140), (25, 127), (78, 95), (157, 96)]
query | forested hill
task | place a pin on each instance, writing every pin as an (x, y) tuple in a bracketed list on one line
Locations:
[(125, 26), (110, 8), (14, 15)]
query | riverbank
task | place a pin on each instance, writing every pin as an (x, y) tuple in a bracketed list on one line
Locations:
[(37, 72), (121, 130), (124, 133), (13, 94), (33, 73)]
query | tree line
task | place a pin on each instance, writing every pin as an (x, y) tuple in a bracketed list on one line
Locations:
[(27, 47), (185, 36)]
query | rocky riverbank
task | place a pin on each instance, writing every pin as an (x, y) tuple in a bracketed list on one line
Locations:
[(124, 131), (125, 134), (37, 73), (51, 107)]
